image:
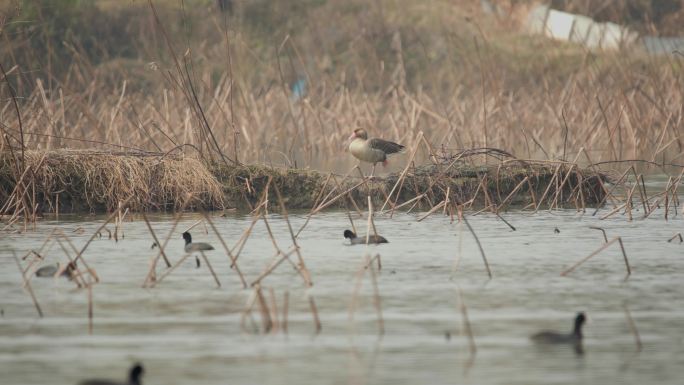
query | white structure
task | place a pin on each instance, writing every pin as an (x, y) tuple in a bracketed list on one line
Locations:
[(579, 29)]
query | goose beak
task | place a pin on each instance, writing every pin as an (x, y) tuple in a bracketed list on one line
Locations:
[(352, 136)]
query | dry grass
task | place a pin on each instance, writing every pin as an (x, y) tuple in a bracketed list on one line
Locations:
[(225, 90), (98, 181)]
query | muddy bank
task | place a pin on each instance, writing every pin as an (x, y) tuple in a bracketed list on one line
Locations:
[(90, 181)]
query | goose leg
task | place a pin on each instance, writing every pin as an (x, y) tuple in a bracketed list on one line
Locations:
[(372, 172)]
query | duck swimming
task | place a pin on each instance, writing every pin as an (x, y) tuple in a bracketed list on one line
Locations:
[(191, 246), (134, 378), (553, 337), (373, 239)]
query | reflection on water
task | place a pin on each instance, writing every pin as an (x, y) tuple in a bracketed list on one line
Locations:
[(186, 330)]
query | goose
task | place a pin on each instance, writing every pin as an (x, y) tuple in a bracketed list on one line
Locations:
[(191, 246), (362, 240), (373, 150), (553, 337), (134, 375)]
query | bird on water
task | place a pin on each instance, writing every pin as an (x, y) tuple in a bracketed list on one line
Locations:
[(134, 378), (191, 247), (51, 270), (362, 240), (553, 337), (373, 150)]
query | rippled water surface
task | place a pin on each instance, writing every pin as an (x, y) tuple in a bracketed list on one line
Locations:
[(186, 330)]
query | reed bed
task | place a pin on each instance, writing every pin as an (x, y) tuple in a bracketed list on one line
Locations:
[(227, 92), (68, 181)]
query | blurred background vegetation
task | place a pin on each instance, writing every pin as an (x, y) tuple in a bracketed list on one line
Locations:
[(117, 63), (44, 37)]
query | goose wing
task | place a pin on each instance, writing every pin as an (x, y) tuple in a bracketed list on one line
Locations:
[(385, 146)]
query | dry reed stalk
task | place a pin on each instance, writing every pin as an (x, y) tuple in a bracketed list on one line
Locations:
[(272, 266), (548, 187), (76, 274), (151, 277), (360, 273), (266, 321), (533, 196), (496, 212), (376, 293), (233, 259), (632, 327), (677, 235), (613, 211), (568, 173), (510, 195), (286, 306), (314, 313), (335, 198), (167, 272), (603, 247), (318, 197), (479, 246), (156, 240), (459, 250), (605, 237), (349, 196), (195, 224), (609, 192), (249, 304), (485, 191), (301, 265), (27, 285), (628, 202), (413, 200), (239, 245), (675, 198), (274, 310), (403, 173), (90, 308), (437, 207), (211, 269), (35, 260), (352, 222), (667, 197), (654, 206), (642, 191), (466, 323), (79, 255), (355, 292)]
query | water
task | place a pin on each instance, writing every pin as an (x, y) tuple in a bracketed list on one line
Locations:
[(186, 330)]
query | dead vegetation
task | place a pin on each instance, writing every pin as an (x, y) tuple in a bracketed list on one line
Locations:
[(96, 181)]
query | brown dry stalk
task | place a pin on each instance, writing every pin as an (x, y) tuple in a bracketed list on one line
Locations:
[(211, 269), (233, 259), (677, 235), (27, 285), (156, 240), (632, 327), (479, 246), (472, 347), (376, 293), (600, 249), (605, 237), (286, 306)]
